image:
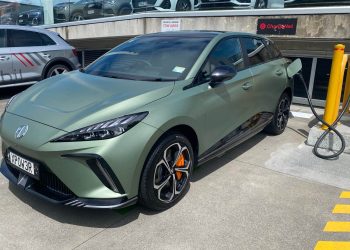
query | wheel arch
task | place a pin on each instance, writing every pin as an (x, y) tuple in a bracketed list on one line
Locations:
[(183, 129), (289, 91), (56, 61)]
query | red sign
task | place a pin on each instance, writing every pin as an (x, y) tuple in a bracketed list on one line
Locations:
[(277, 26)]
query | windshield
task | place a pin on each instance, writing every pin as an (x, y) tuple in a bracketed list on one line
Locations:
[(150, 59)]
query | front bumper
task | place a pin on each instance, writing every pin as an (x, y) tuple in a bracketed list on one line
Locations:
[(102, 173), (53, 190)]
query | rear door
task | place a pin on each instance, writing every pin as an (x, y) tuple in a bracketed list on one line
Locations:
[(6, 76), (269, 74), (31, 52), (228, 105)]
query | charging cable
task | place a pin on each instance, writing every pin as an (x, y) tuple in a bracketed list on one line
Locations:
[(331, 127)]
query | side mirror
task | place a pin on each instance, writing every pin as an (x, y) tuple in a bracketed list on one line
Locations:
[(221, 74), (294, 68)]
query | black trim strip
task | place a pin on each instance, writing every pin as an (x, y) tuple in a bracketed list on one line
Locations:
[(244, 132), (105, 175)]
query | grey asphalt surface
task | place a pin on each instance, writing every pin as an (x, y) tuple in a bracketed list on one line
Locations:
[(238, 201)]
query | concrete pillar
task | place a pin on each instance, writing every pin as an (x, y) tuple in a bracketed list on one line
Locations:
[(48, 11)]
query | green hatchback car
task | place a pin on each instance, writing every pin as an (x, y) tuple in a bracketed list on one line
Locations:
[(132, 125)]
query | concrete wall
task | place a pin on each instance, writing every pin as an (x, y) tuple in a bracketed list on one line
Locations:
[(309, 26), (316, 33)]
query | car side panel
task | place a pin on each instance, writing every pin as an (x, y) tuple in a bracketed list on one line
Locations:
[(6, 76), (30, 62), (270, 80)]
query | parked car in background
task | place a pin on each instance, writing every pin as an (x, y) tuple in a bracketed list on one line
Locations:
[(262, 4), (163, 5), (30, 54), (31, 17), (133, 125), (222, 4), (88, 9)]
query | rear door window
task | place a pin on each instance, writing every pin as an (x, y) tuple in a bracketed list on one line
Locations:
[(23, 38), (256, 51), (2, 38)]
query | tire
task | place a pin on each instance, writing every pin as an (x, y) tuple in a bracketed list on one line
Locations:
[(157, 191), (280, 117), (260, 4), (56, 69), (183, 5), (125, 10), (77, 16)]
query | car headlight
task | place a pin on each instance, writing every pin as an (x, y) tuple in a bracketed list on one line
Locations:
[(103, 130)]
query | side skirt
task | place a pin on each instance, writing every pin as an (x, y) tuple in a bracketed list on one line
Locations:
[(244, 132)]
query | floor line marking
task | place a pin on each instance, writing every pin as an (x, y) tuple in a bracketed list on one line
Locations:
[(332, 245), (345, 195), (341, 209), (337, 226)]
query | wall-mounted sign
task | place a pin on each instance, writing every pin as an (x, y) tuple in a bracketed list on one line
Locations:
[(171, 25), (279, 26)]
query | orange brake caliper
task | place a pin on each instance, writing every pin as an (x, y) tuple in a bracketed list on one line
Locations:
[(180, 163)]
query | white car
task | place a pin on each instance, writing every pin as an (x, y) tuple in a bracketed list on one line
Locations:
[(163, 5), (29, 54)]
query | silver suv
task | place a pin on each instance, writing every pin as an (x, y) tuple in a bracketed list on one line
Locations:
[(28, 55)]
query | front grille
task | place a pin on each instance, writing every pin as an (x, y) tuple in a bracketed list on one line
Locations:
[(50, 181)]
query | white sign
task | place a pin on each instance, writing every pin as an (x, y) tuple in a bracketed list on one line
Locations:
[(171, 25)]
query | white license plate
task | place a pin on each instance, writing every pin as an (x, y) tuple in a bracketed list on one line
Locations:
[(91, 12), (142, 4), (20, 21), (23, 164)]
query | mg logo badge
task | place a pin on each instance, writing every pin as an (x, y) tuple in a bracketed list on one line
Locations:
[(21, 131)]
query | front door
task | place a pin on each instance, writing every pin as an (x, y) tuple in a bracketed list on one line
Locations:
[(229, 104)]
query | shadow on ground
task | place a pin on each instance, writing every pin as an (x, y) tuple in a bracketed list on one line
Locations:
[(7, 93), (116, 218)]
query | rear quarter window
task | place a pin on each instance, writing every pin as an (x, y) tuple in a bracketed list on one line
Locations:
[(256, 51), (273, 49)]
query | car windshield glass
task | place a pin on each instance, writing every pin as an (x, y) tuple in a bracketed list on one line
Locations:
[(150, 59)]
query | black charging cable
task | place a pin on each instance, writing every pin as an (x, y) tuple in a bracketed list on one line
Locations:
[(331, 127)]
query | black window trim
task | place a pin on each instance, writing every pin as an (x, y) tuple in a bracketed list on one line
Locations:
[(195, 79)]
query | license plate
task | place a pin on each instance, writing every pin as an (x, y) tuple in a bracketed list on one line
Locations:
[(20, 21), (142, 4), (91, 12), (23, 164)]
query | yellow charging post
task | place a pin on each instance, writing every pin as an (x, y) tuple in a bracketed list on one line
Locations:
[(340, 87), (333, 86), (347, 88)]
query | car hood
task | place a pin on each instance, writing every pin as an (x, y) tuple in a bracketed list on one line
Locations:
[(75, 100)]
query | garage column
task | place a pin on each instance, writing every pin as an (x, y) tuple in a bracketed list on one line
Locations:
[(48, 11)]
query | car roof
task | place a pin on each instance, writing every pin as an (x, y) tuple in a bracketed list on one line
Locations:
[(28, 28), (201, 34)]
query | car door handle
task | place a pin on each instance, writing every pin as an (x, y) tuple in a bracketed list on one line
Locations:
[(3, 58), (279, 72), (246, 86)]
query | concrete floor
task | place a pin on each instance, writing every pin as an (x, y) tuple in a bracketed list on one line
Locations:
[(244, 200)]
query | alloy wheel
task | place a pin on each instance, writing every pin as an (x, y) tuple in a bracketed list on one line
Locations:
[(183, 5), (283, 113), (261, 4), (58, 71), (172, 172)]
